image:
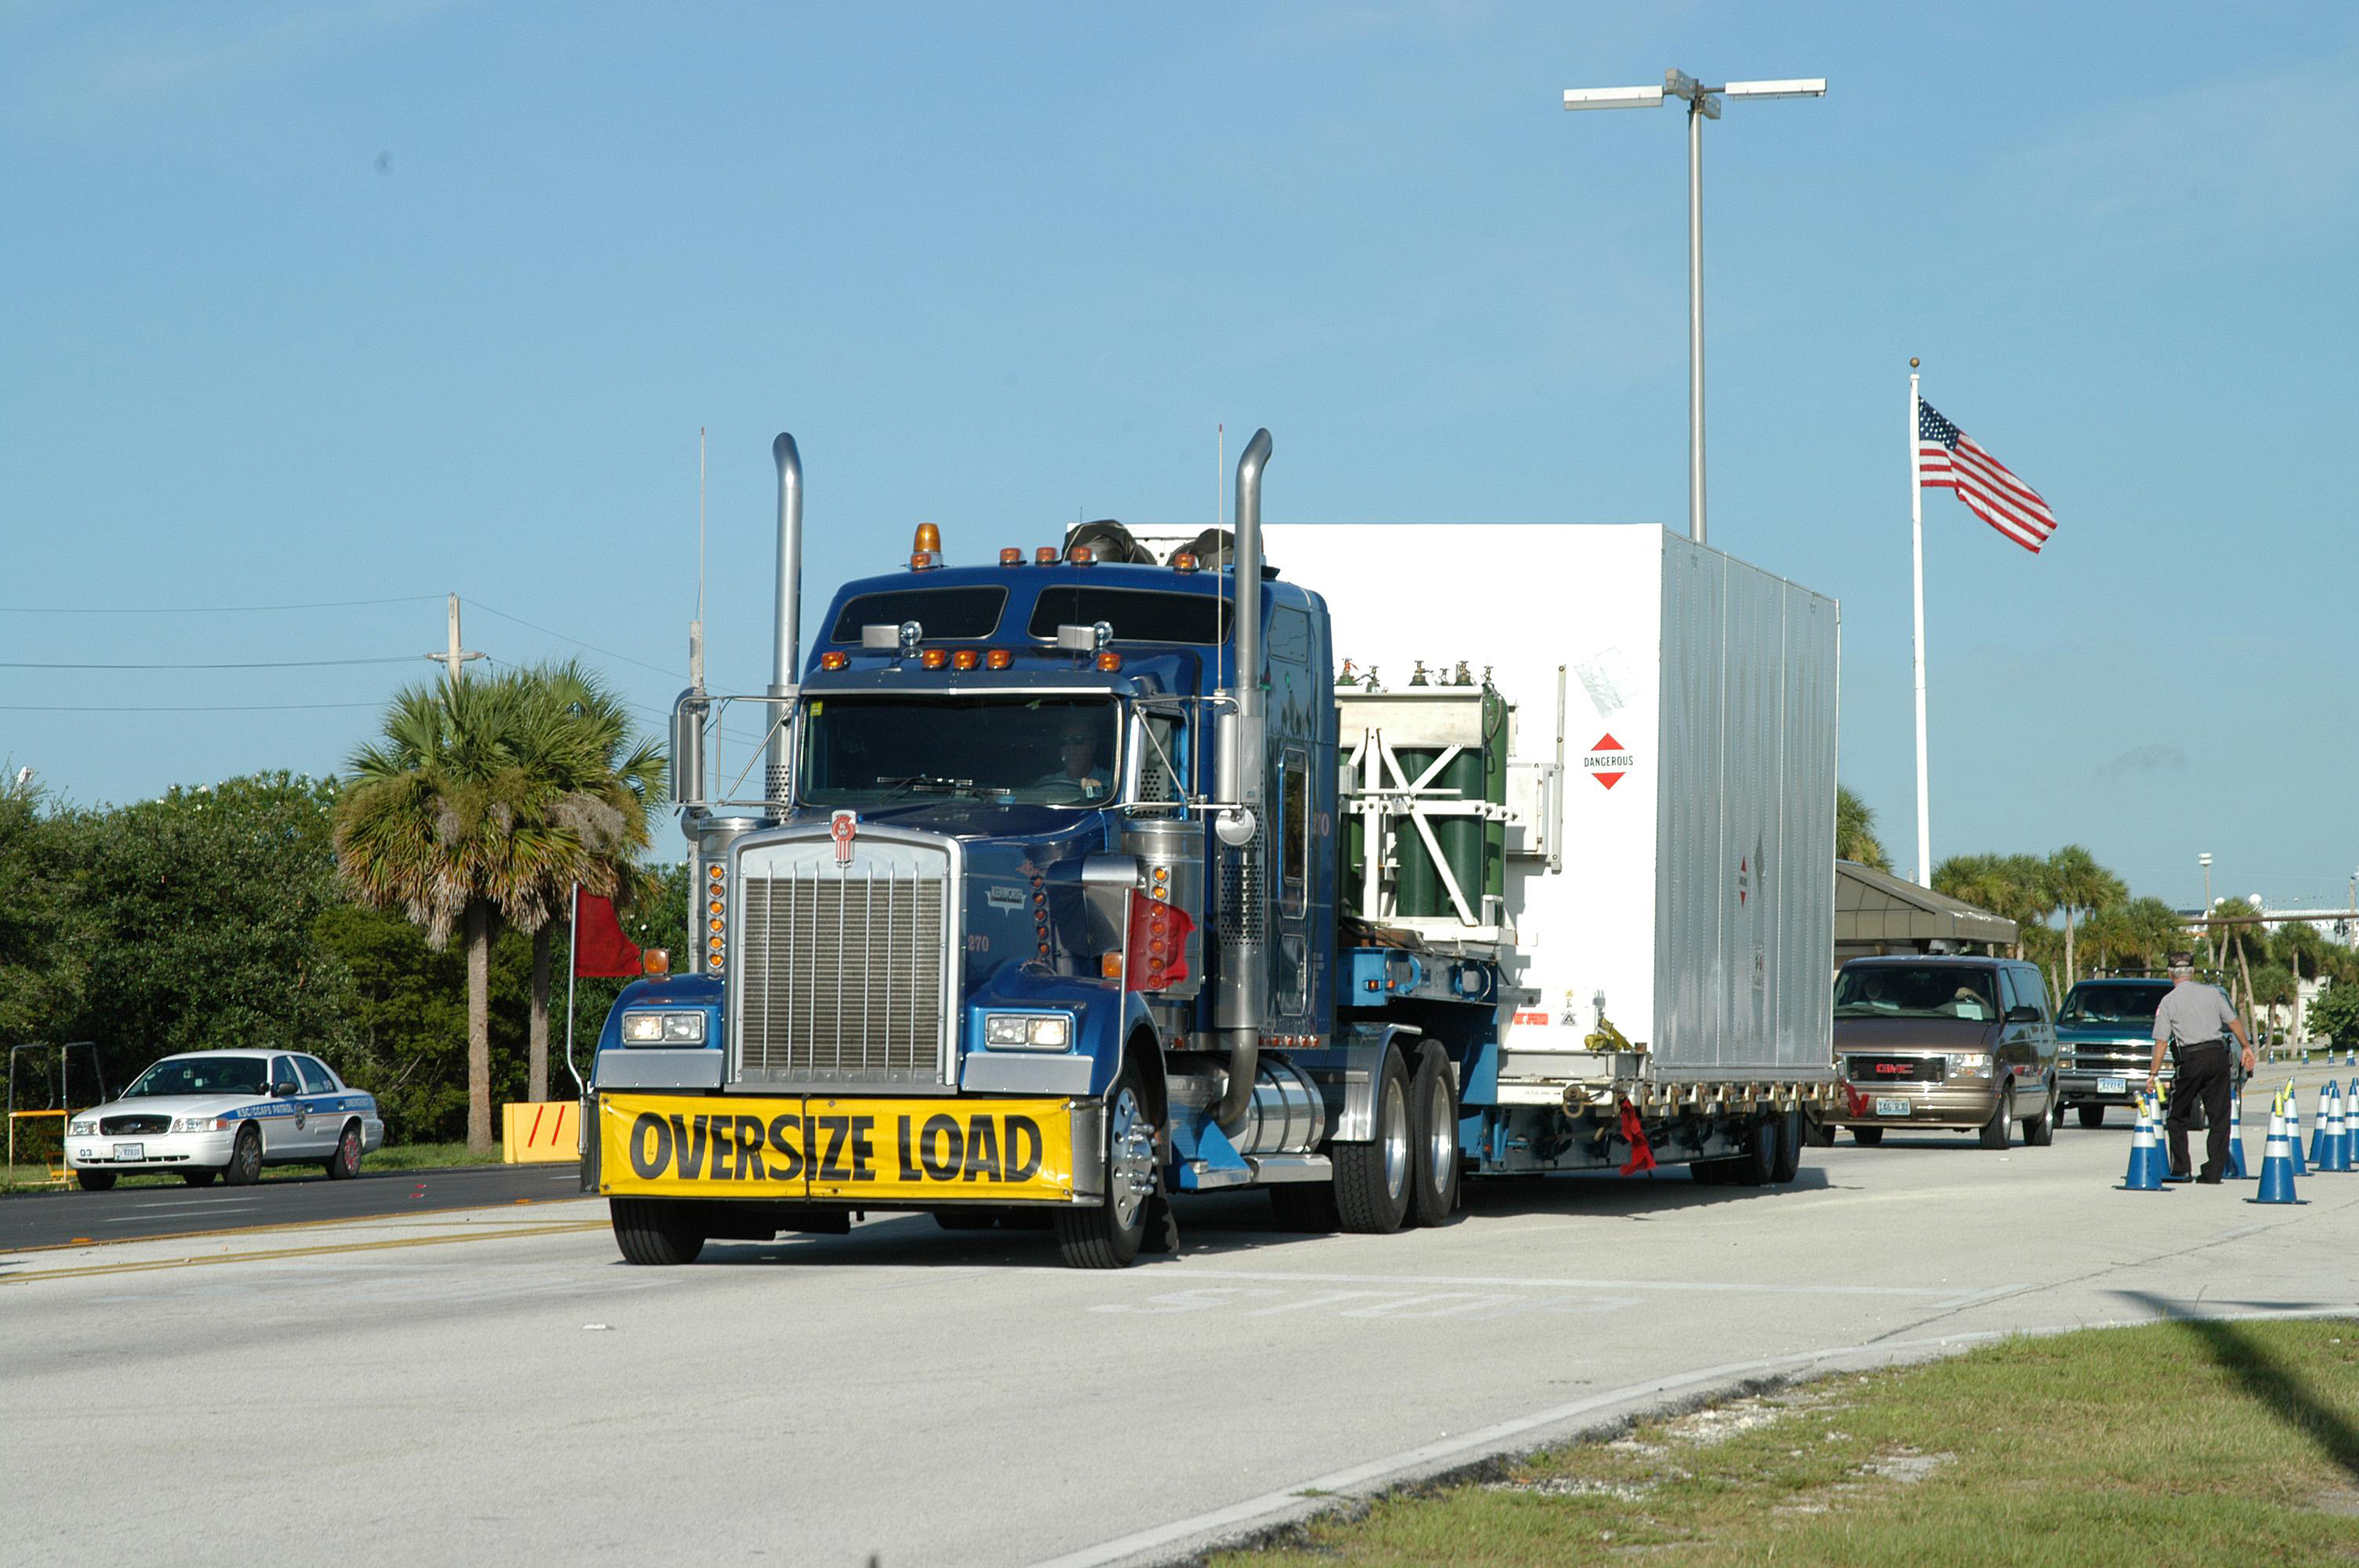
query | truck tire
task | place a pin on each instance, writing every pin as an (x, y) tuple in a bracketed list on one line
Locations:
[(1372, 1180), (1757, 1166), (1433, 1125), (1999, 1132), (2091, 1115), (1788, 1163), (1867, 1137), (1108, 1236), (654, 1231)]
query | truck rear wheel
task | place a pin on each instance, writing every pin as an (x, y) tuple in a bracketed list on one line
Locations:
[(1108, 1236), (1372, 1179), (1433, 1121), (655, 1231)]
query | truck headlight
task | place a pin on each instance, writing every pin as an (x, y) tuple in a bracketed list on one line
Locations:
[(1028, 1030), (198, 1124), (663, 1028), (85, 1128), (1969, 1063)]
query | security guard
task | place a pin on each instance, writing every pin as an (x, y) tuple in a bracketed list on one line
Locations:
[(2197, 1018)]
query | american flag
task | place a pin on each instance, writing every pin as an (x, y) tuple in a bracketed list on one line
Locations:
[(1949, 459)]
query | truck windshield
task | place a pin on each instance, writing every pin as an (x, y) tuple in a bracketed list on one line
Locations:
[(1037, 750), (1892, 991), (2111, 1004)]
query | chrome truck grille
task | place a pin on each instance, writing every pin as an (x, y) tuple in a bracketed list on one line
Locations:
[(841, 976)]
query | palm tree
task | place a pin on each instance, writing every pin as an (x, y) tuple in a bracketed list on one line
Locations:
[(1856, 837), (2079, 884), (602, 785)]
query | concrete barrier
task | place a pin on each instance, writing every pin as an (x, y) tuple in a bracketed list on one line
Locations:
[(538, 1132)]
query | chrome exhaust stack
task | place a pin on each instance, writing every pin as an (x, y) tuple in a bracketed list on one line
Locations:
[(785, 658), (1241, 1000)]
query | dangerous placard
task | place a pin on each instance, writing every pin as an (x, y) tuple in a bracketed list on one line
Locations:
[(1606, 762)]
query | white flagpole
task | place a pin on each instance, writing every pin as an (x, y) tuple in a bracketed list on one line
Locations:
[(1916, 520), (573, 963)]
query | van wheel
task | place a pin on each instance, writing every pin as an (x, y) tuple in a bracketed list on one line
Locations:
[(1372, 1179), (1108, 1236), (1999, 1132), (1433, 1121), (1867, 1137), (2039, 1131), (95, 1181), (1788, 1163), (2091, 1115), (654, 1231)]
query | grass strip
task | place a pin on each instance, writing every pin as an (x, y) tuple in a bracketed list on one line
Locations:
[(2197, 1443)]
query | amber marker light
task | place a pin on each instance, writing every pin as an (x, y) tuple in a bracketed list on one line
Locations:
[(929, 539), (933, 658), (965, 659), (1109, 661), (998, 659), (834, 661), (1110, 966), (1081, 555), (1046, 555), (1010, 555), (1183, 562)]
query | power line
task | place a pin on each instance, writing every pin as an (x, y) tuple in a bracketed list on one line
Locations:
[(261, 665), (564, 637), (209, 609)]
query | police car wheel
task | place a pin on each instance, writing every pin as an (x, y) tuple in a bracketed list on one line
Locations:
[(346, 1163), (658, 1232), (95, 1181), (1433, 1121), (1108, 1236), (244, 1159), (1372, 1179), (2091, 1115)]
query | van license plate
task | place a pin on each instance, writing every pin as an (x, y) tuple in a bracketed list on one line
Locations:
[(1892, 1107), (2113, 1086), (131, 1150)]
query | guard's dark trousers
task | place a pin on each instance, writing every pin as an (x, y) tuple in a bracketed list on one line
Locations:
[(2203, 1077)]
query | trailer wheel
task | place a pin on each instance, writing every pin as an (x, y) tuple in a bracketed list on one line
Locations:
[(1757, 1166), (1788, 1163), (1433, 1121), (655, 1231), (1816, 1134), (1108, 1236), (1372, 1180)]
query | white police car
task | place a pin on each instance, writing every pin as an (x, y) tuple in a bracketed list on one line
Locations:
[(224, 1113)]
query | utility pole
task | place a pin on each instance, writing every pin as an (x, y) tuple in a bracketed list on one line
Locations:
[(456, 655)]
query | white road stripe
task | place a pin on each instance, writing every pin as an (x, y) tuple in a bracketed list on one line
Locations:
[(1933, 1292)]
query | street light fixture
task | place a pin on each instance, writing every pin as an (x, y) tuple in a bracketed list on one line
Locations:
[(1703, 103)]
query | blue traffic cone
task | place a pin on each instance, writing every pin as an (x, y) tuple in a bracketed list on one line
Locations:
[(2236, 1170), (2293, 1129), (2338, 1134), (2146, 1167), (2351, 1127), (2276, 1164)]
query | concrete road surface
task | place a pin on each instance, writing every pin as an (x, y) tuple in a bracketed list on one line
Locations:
[(492, 1386), (54, 1219)]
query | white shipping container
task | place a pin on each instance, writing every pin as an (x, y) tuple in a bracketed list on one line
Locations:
[(1696, 888)]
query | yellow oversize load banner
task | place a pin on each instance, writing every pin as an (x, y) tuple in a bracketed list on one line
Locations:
[(916, 1151)]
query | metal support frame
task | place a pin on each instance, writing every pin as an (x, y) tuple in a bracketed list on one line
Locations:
[(1418, 801)]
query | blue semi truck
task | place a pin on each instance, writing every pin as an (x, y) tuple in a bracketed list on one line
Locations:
[(1098, 874)]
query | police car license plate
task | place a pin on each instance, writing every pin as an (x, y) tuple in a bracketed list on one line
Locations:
[(886, 1151), (2113, 1086), (131, 1150), (1891, 1106)]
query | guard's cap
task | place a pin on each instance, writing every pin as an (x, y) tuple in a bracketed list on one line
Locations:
[(2182, 960)]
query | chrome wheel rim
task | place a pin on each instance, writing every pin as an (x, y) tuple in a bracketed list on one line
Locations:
[(1396, 1141), (1440, 1138), (1130, 1159)]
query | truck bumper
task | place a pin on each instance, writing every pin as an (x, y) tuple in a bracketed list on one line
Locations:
[(882, 1154)]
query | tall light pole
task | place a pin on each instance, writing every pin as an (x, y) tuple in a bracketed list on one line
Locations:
[(1703, 103), (2204, 860)]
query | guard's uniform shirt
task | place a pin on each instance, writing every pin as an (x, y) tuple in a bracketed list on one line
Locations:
[(2195, 1020)]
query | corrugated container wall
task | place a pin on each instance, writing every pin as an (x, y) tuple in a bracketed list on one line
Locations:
[(1694, 905)]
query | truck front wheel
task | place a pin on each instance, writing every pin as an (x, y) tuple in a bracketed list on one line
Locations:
[(1108, 1236), (1372, 1179), (654, 1231)]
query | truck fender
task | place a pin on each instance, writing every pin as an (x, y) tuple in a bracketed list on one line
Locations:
[(1351, 1089)]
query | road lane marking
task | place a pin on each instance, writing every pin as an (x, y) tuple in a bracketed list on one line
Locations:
[(277, 1254), (346, 1222)]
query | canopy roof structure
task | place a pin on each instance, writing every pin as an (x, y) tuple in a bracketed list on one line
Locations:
[(1877, 911)]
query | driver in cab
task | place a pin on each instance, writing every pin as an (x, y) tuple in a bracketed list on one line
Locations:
[(1077, 751)]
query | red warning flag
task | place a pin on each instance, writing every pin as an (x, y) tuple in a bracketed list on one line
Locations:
[(599, 949), (1634, 1133)]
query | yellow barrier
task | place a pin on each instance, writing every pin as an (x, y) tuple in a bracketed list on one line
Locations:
[(533, 1131), (52, 1156)]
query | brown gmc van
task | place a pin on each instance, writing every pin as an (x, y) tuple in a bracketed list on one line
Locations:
[(1963, 1042)]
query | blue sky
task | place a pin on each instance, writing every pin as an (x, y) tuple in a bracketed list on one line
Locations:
[(387, 300)]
